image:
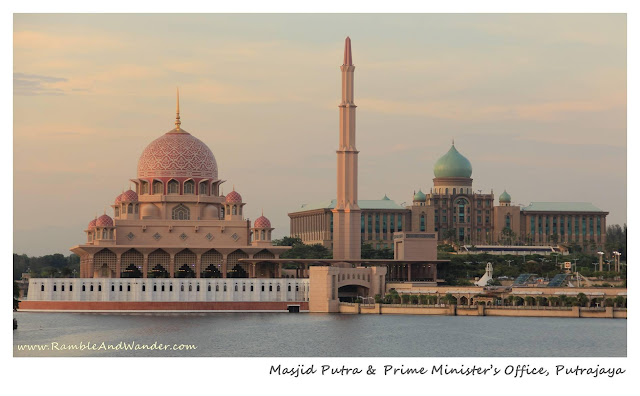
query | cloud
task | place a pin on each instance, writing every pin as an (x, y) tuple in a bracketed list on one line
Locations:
[(33, 84)]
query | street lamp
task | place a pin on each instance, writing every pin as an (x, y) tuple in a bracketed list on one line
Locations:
[(600, 260), (594, 266), (509, 262)]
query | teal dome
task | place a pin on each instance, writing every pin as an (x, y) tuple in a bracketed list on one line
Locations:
[(452, 164), (505, 197), (419, 197)]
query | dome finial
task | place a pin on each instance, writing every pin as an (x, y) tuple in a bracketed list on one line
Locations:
[(453, 143), (178, 109), (262, 213)]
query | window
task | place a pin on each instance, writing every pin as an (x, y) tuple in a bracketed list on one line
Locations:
[(190, 288), (157, 187), (128, 288), (221, 213), (99, 287), (217, 288), (42, 288), (508, 222), (181, 288), (224, 287), (170, 288), (278, 288), (263, 287), (236, 287), (62, 288), (130, 208), (155, 287), (144, 288), (203, 189), (369, 226), (162, 289), (399, 222), (120, 287), (180, 212), (172, 187), (392, 218), (234, 210), (117, 211), (189, 187), (145, 187), (55, 288), (423, 225), (270, 287), (289, 288), (91, 288)]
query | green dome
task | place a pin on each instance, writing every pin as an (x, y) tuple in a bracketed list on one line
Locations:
[(419, 197), (385, 198), (505, 197), (452, 164)]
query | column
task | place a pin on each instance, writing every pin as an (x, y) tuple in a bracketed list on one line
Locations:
[(224, 265), (409, 272), (198, 264), (90, 266), (172, 260), (145, 264), (118, 264)]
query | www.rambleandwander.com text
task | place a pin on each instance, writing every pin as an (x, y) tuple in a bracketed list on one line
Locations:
[(516, 371)]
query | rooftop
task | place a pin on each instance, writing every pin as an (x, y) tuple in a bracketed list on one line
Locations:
[(363, 204), (561, 207)]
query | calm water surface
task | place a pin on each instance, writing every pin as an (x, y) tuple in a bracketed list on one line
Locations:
[(325, 335)]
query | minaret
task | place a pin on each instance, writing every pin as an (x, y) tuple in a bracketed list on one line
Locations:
[(346, 214)]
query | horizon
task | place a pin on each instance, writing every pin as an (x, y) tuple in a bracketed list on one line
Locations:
[(526, 97)]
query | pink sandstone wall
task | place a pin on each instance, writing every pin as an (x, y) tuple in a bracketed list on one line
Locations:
[(159, 306)]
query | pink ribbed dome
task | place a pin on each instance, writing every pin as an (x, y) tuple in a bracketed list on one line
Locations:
[(177, 154), (233, 197), (262, 222), (104, 221), (129, 196), (119, 198), (92, 224)]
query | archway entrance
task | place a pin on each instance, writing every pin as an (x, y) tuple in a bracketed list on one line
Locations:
[(349, 293)]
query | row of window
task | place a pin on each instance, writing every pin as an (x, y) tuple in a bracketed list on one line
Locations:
[(384, 222), (162, 288), (356, 276), (551, 224), (173, 187)]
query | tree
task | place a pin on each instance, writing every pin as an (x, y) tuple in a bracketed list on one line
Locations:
[(507, 236), (583, 300)]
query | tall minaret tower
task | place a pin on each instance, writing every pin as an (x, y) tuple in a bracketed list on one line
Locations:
[(346, 214)]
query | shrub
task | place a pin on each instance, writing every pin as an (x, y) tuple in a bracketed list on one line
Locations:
[(405, 298), (414, 300)]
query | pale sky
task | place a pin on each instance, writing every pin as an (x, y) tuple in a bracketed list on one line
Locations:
[(537, 103)]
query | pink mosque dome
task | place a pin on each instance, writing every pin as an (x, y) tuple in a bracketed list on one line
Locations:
[(262, 222), (129, 196), (119, 198), (233, 197), (104, 221), (92, 224)]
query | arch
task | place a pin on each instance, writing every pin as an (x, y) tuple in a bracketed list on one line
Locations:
[(189, 187), (173, 187), (130, 208), (144, 187), (185, 264), (463, 300), (234, 210), (180, 212), (131, 261), (423, 223), (236, 270), (159, 263), (211, 262), (104, 264), (117, 211), (221, 213), (349, 293), (158, 187)]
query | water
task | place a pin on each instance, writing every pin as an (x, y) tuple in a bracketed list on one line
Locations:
[(324, 335)]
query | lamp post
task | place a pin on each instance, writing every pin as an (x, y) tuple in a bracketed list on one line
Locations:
[(594, 266), (617, 261), (509, 262), (600, 259)]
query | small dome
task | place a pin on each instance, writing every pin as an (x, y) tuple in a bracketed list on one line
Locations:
[(104, 221), (129, 196), (262, 222), (233, 197), (419, 197), (452, 164), (385, 198), (92, 224), (119, 198), (505, 197)]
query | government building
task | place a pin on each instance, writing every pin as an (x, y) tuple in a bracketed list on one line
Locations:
[(461, 215)]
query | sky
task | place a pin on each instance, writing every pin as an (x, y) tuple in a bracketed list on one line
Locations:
[(536, 102)]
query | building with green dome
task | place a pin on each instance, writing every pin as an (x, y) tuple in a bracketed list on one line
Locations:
[(461, 215)]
